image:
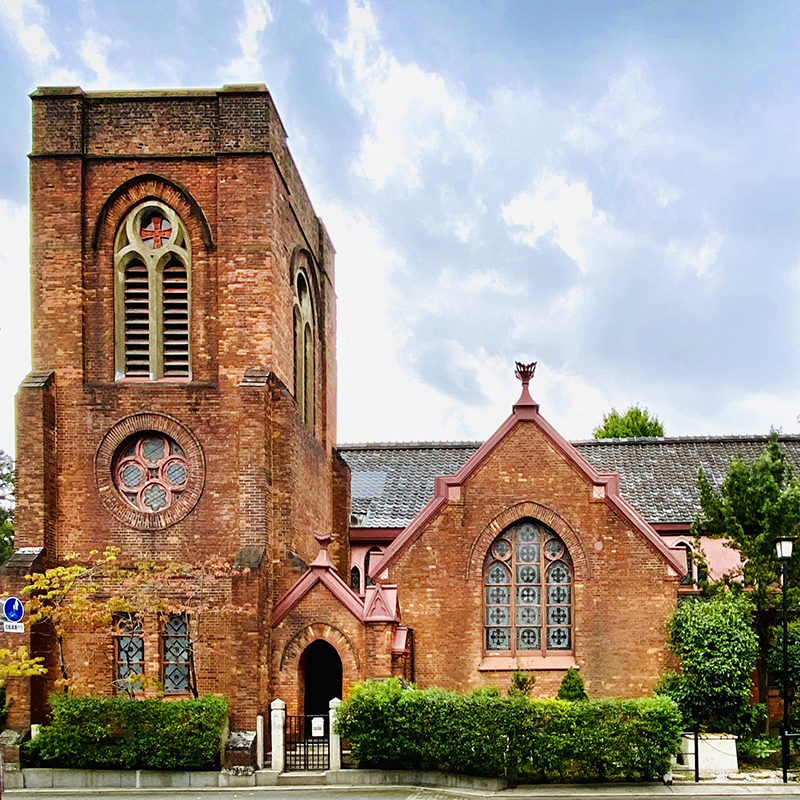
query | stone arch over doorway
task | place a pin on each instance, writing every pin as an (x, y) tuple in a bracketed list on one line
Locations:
[(319, 677), (298, 657)]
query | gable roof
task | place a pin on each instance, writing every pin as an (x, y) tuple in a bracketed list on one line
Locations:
[(392, 482), (526, 411)]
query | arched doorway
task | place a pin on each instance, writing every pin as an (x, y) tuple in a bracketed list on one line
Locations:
[(321, 677)]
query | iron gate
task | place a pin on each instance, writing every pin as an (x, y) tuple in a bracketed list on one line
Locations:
[(306, 752)]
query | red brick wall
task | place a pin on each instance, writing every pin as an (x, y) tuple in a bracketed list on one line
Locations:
[(622, 593)]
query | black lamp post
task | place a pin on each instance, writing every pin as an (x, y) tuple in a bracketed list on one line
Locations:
[(783, 547)]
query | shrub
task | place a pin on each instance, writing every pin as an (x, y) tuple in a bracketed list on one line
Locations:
[(119, 733), (717, 647), (485, 734), (572, 687)]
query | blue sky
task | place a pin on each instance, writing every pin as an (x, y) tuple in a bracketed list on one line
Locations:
[(610, 189)]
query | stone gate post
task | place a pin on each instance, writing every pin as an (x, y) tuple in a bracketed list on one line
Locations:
[(278, 724), (334, 741)]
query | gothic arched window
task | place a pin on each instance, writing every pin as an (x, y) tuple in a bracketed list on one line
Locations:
[(303, 320), (528, 599), (152, 262)]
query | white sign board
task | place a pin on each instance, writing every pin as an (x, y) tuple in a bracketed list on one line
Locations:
[(14, 627), (317, 726)]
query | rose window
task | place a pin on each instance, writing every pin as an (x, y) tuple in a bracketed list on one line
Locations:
[(151, 471)]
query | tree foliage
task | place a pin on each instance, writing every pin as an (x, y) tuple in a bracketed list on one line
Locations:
[(756, 504), (87, 594), (634, 422), (717, 648), (6, 506), (572, 687)]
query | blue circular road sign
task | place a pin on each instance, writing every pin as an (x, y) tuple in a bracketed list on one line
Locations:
[(13, 609)]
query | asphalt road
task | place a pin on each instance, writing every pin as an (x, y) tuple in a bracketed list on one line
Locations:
[(551, 792)]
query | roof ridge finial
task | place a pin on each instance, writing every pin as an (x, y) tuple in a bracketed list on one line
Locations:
[(323, 559), (525, 372)]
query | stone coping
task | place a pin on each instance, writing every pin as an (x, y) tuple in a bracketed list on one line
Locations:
[(55, 778)]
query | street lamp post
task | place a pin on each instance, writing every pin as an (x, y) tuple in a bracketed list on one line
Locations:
[(783, 547)]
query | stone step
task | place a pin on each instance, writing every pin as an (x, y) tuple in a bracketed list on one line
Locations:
[(301, 779)]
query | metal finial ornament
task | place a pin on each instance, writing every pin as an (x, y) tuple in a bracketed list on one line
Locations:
[(525, 371)]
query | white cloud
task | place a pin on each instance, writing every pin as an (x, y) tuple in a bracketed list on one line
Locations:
[(94, 53), (561, 211), (15, 320), (409, 114), (699, 259), (25, 20), (247, 67)]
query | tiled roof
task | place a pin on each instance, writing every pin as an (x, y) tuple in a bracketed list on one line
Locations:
[(391, 482)]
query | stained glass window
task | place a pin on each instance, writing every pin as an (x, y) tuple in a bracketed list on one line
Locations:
[(150, 471), (128, 652), (176, 654), (527, 577)]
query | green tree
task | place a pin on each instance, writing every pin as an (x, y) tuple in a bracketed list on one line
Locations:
[(572, 687), (6, 506), (756, 504), (717, 648), (634, 422)]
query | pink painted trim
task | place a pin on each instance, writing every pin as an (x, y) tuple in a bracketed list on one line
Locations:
[(399, 640), (505, 663), (374, 534), (327, 577), (380, 604), (525, 411)]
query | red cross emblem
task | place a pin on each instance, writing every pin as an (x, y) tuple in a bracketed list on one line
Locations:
[(156, 232)]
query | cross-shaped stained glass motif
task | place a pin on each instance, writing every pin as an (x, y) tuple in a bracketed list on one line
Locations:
[(536, 617), (156, 231)]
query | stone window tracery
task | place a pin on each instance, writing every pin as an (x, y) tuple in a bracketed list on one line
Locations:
[(528, 600), (304, 358), (152, 260), (151, 471)]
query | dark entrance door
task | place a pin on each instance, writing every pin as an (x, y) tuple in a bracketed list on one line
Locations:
[(322, 677), (308, 735)]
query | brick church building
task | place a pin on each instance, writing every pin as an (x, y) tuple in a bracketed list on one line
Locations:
[(182, 407)]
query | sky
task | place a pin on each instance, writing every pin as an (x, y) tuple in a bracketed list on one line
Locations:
[(611, 189)]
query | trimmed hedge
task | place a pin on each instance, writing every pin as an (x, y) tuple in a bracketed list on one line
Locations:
[(120, 733), (392, 727)]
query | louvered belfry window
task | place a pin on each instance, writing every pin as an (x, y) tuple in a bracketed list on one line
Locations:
[(176, 321), (153, 314), (137, 320)]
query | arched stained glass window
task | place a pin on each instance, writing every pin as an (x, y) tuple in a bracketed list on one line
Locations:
[(527, 583)]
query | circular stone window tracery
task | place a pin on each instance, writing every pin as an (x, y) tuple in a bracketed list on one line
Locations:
[(150, 471)]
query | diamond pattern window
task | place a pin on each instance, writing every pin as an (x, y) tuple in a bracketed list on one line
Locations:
[(176, 654), (527, 584), (128, 652), (152, 261)]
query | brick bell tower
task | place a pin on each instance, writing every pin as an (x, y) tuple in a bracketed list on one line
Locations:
[(182, 403)]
